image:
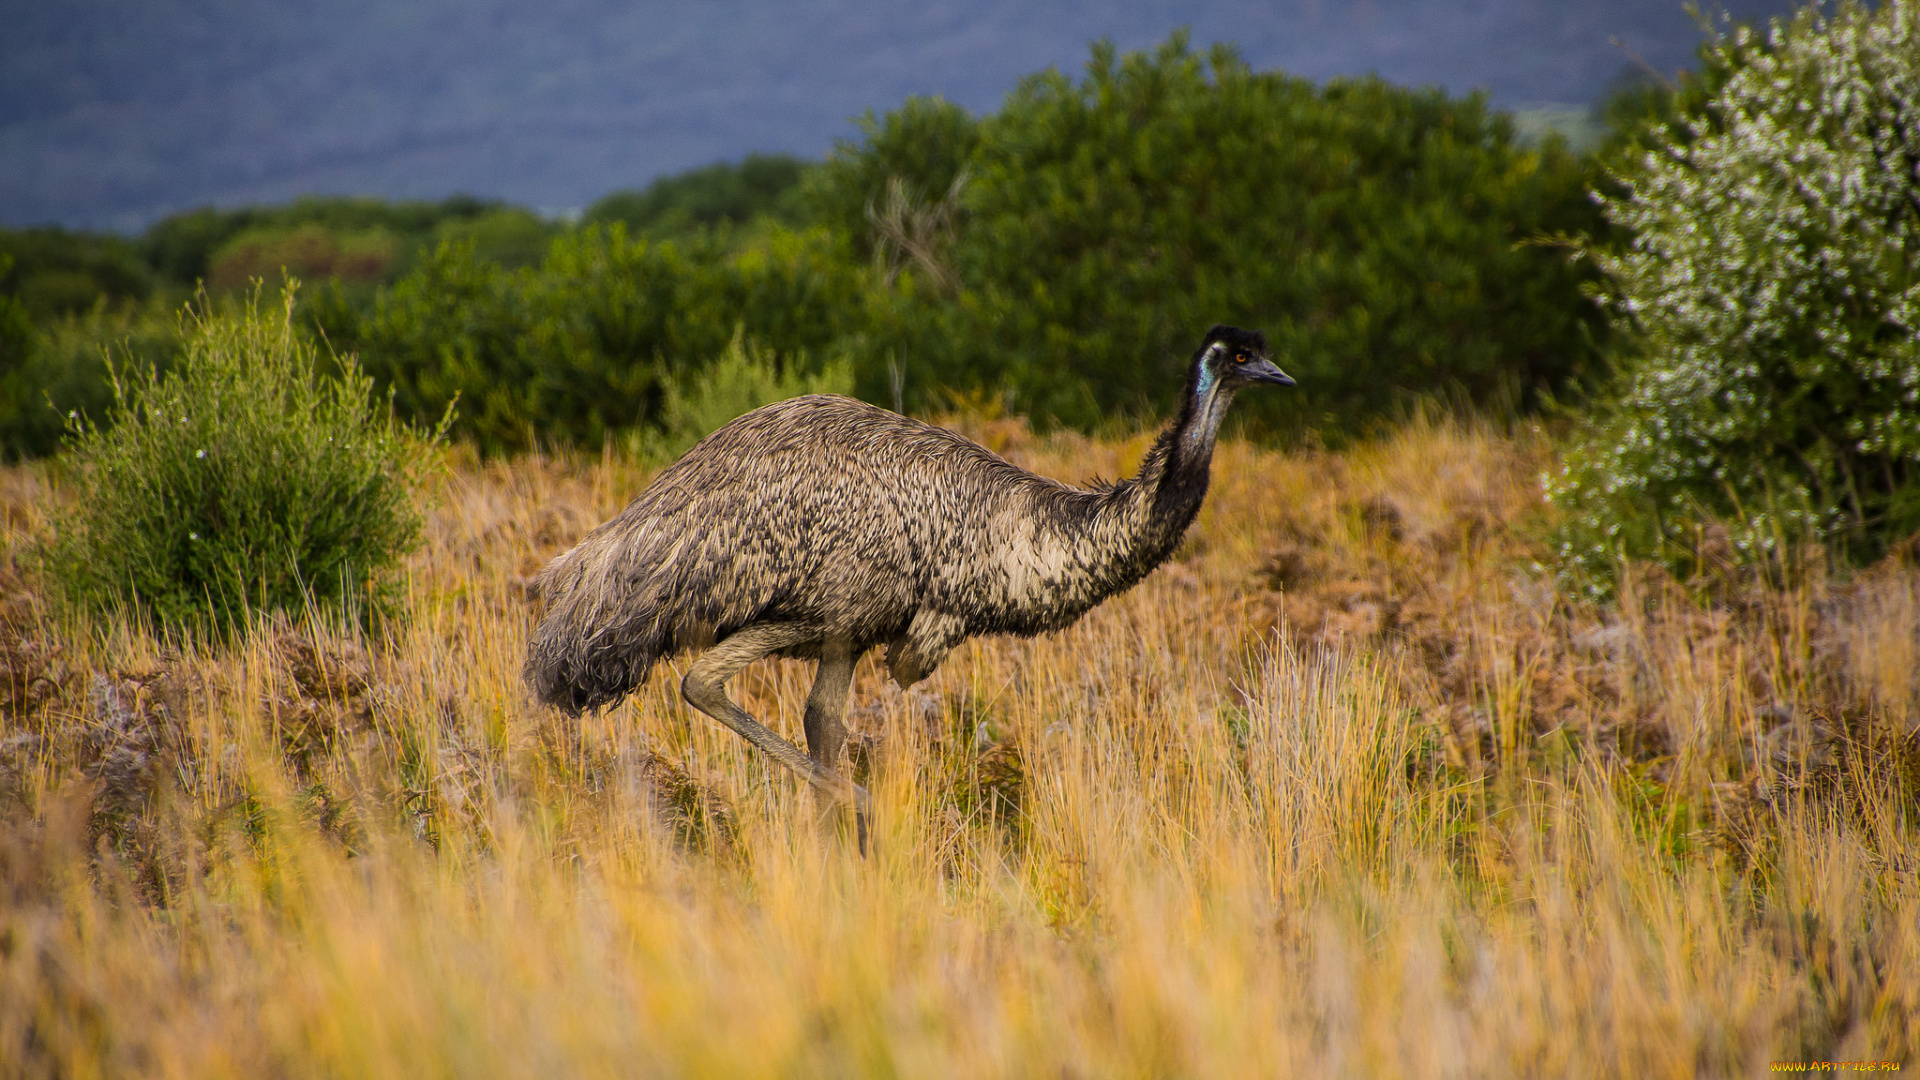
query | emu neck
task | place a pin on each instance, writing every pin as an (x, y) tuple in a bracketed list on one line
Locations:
[(1196, 428), (1139, 522), (1173, 478)]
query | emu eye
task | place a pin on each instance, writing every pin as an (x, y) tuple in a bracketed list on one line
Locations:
[(1239, 358)]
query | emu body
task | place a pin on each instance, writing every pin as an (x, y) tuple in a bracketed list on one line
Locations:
[(822, 527)]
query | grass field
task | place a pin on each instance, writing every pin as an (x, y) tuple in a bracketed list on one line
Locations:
[(1349, 788)]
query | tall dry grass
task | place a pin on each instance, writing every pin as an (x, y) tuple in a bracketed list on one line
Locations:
[(1349, 788)]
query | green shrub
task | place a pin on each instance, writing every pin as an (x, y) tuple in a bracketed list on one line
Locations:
[(243, 480), (458, 328), (17, 341), (1063, 253), (55, 273), (1379, 235), (182, 248), (738, 381), (921, 148), (61, 373), (760, 185), (1771, 296), (574, 351), (310, 252), (511, 237)]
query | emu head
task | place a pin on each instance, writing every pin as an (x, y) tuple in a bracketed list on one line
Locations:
[(1234, 358)]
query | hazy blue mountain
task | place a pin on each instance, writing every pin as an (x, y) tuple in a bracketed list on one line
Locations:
[(113, 112)]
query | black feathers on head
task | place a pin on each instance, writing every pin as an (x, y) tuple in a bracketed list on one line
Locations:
[(1233, 337)]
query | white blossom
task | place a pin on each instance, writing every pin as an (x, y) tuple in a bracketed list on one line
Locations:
[(1772, 286)]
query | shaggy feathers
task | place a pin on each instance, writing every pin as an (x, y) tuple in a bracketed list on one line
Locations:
[(862, 525)]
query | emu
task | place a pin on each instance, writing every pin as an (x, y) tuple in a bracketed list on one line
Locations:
[(821, 527)]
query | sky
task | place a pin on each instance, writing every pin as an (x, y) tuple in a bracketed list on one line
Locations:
[(114, 113)]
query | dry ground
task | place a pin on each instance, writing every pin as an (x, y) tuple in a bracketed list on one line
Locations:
[(1350, 788)]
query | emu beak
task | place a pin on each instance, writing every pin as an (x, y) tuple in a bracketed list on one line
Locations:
[(1265, 371)]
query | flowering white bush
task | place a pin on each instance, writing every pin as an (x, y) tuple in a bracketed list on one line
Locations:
[(1772, 295)]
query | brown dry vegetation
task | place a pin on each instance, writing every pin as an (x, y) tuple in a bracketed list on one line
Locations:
[(1349, 788)]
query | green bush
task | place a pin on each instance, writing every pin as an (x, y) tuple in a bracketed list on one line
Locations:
[(1063, 253), (183, 248), (738, 381), (54, 273), (1379, 235), (1770, 297), (575, 350), (511, 237), (458, 328), (920, 148), (308, 252), (59, 372), (241, 481), (761, 185), (17, 341)]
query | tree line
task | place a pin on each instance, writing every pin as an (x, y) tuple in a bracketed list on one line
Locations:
[(1060, 254)]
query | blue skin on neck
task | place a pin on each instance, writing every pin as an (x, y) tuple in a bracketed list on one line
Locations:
[(1208, 409)]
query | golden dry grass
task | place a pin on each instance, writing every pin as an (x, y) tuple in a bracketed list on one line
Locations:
[(1349, 788)]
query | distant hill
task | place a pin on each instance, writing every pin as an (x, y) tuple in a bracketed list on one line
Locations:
[(115, 112)]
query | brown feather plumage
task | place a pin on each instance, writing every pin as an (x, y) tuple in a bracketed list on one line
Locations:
[(860, 525)]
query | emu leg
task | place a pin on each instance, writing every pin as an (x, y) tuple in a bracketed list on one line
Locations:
[(827, 704), (705, 688), (826, 726)]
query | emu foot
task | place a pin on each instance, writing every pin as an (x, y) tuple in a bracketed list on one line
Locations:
[(839, 811)]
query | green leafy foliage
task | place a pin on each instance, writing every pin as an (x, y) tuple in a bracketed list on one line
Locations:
[(52, 273), (1378, 234), (1639, 103), (1643, 110), (738, 381), (510, 236), (241, 481), (308, 252), (457, 329), (54, 338), (921, 149), (16, 351), (57, 373), (576, 349), (1061, 254), (85, 296), (183, 248), (759, 186), (1771, 295)]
